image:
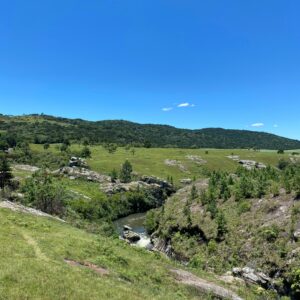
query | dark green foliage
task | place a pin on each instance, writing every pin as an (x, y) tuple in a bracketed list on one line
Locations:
[(147, 144), (152, 220), (86, 152), (5, 172), (221, 225), (46, 193), (110, 147), (64, 147), (295, 282), (194, 192), (280, 151), (296, 186), (125, 173), (282, 164), (46, 146), (270, 233), (114, 175), (60, 130)]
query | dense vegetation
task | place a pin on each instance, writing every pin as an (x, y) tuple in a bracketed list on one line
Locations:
[(247, 218), (42, 129)]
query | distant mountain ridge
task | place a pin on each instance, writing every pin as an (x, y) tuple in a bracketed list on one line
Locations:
[(49, 129)]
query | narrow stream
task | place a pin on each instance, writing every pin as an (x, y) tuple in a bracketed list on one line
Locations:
[(136, 222)]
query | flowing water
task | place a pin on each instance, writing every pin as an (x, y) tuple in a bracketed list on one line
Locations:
[(136, 222)]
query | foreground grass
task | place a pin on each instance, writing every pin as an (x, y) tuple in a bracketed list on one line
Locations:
[(152, 161), (32, 266)]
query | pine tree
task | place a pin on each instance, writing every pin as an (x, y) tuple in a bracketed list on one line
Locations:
[(5, 172), (125, 173), (221, 225)]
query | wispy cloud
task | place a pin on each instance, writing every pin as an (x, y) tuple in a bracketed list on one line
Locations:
[(275, 125), (258, 125), (167, 108), (185, 104)]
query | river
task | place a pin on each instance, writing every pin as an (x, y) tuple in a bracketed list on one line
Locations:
[(136, 222)]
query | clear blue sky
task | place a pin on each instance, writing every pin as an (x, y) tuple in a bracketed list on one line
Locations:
[(232, 63)]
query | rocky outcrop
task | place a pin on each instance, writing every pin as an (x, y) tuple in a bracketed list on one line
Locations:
[(161, 245), (175, 163), (196, 159), (27, 168), (253, 277), (186, 181), (83, 173), (206, 286), (77, 162), (251, 164), (21, 208), (159, 188)]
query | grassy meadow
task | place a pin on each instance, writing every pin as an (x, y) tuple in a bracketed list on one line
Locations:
[(33, 265), (152, 161)]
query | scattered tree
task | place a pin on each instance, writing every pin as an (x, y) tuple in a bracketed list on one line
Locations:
[(46, 146), (125, 173), (86, 152)]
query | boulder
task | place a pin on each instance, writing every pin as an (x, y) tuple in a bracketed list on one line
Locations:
[(77, 162), (251, 276), (251, 164), (131, 236), (186, 181)]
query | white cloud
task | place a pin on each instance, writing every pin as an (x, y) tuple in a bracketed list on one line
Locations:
[(275, 125), (258, 125), (185, 104), (167, 108)]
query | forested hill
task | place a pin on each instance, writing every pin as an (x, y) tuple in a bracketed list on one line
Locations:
[(48, 129)]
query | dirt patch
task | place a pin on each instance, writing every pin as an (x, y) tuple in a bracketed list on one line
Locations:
[(203, 285), (98, 270)]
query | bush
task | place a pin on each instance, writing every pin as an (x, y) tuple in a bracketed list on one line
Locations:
[(86, 152), (244, 207), (45, 193), (270, 233)]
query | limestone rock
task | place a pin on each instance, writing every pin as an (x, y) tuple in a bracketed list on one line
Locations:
[(251, 276)]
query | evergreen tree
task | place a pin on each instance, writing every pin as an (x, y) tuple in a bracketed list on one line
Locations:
[(5, 172), (125, 173), (221, 225)]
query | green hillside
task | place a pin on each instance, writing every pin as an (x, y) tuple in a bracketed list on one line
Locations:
[(46, 259), (42, 129)]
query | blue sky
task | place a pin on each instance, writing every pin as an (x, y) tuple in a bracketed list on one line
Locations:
[(232, 64)]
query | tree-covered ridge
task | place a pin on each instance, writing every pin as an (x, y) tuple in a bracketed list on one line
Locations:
[(42, 129)]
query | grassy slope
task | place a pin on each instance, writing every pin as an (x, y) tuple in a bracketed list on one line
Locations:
[(32, 264), (151, 161)]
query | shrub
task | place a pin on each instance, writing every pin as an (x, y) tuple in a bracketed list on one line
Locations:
[(270, 233), (86, 152), (244, 207), (45, 193)]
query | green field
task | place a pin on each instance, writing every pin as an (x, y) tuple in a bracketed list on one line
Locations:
[(152, 161), (33, 265)]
